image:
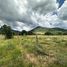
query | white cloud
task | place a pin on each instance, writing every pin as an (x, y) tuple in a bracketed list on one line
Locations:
[(42, 6), (62, 12), (11, 9), (28, 12), (1, 23), (51, 20)]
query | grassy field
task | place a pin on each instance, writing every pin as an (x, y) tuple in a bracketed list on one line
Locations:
[(32, 51)]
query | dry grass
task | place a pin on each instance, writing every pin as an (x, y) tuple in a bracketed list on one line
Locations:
[(24, 51)]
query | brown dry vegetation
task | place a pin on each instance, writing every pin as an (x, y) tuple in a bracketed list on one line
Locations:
[(25, 51)]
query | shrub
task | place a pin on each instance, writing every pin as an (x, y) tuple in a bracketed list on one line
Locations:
[(48, 33)]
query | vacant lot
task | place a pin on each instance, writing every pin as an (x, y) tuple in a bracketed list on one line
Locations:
[(33, 51)]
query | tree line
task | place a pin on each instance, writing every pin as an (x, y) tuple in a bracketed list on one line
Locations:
[(9, 33)]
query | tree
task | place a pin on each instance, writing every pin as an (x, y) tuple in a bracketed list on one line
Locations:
[(65, 33), (60, 33), (48, 33), (30, 33), (24, 32), (7, 31)]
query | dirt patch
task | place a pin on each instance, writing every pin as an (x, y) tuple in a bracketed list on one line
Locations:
[(32, 58)]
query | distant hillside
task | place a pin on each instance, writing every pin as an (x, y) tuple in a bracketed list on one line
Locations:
[(42, 30)]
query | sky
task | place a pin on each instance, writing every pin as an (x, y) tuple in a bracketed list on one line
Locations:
[(60, 2), (28, 14)]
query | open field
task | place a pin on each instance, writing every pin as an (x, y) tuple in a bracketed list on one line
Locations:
[(32, 51)]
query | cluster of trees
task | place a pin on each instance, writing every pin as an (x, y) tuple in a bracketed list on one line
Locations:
[(23, 32), (55, 33), (9, 33)]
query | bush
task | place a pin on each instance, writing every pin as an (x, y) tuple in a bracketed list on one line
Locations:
[(48, 33), (65, 33)]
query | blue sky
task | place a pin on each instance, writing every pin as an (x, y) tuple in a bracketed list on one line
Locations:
[(60, 2)]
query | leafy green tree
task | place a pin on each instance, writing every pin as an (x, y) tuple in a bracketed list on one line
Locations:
[(24, 32), (7, 31), (48, 33)]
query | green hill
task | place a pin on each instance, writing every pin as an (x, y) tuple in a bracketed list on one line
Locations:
[(54, 31)]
